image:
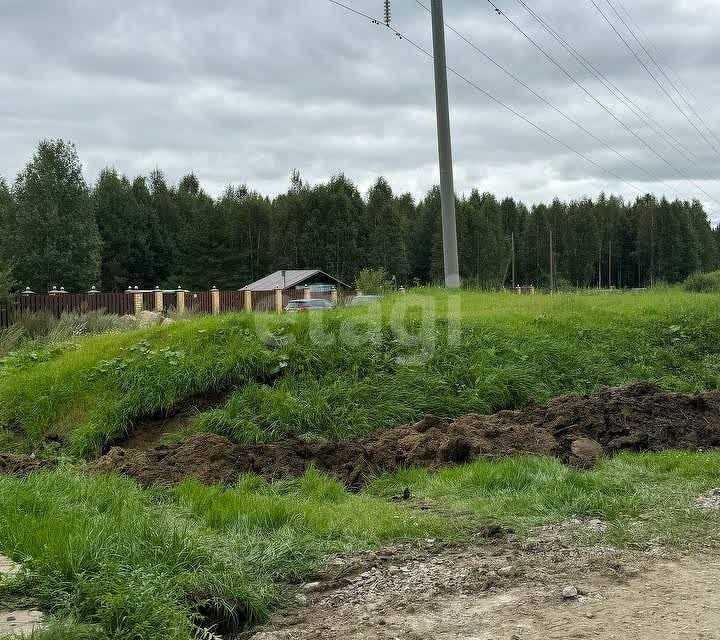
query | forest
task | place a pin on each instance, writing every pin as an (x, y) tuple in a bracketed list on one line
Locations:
[(55, 229)]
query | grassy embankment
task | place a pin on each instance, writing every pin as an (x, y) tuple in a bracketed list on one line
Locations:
[(111, 560), (345, 373)]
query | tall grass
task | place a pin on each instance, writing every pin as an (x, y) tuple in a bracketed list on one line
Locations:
[(137, 564), (504, 351), (642, 497), (91, 390), (347, 372), (43, 327), (703, 282)]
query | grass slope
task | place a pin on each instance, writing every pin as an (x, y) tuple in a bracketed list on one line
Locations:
[(347, 372)]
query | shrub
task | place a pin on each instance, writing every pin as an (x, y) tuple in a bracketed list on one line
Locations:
[(703, 282), (36, 325), (373, 281)]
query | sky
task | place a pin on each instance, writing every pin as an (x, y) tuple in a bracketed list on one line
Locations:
[(246, 92)]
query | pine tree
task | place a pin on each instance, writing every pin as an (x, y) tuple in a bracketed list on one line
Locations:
[(425, 240), (243, 235), (51, 229), (6, 204), (385, 231), (6, 278), (127, 231), (195, 240), (155, 271), (165, 211), (484, 247)]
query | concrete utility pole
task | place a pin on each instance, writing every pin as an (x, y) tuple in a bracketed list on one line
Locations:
[(552, 266), (447, 186), (512, 241)]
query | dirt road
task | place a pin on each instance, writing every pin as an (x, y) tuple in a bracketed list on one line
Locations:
[(499, 592)]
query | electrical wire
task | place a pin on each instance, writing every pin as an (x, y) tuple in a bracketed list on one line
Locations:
[(598, 102), (555, 108), (620, 95), (657, 64), (653, 76), (490, 96), (678, 80)]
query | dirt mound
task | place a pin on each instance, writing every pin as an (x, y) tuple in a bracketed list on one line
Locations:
[(22, 466), (576, 429)]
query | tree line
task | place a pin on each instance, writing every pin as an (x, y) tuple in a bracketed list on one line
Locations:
[(122, 232)]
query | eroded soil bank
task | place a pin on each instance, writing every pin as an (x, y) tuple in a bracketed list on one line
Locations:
[(576, 429)]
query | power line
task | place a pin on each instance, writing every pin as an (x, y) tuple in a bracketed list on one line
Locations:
[(490, 96), (555, 108), (359, 13), (642, 115), (652, 46), (670, 82), (650, 73), (658, 65), (598, 102)]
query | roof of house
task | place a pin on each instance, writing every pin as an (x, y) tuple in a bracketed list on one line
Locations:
[(291, 278)]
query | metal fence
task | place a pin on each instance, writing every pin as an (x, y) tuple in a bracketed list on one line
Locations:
[(231, 301), (198, 302), (123, 303), (263, 301), (148, 300), (57, 305)]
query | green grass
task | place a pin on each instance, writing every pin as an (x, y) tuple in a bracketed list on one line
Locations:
[(110, 560), (642, 497), (91, 390), (703, 282), (137, 564), (347, 372), (505, 351)]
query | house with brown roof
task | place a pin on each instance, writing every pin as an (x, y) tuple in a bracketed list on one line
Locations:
[(295, 284)]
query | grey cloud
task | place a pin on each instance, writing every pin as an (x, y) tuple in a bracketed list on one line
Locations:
[(245, 92)]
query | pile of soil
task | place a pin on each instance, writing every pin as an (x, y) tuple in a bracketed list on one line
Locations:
[(23, 466), (576, 429)]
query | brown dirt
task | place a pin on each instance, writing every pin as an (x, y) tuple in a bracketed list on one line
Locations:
[(23, 466), (508, 590), (577, 429), (150, 432)]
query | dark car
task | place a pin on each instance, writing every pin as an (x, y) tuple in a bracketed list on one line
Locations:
[(311, 304)]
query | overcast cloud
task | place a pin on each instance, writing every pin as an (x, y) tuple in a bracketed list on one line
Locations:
[(244, 92)]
